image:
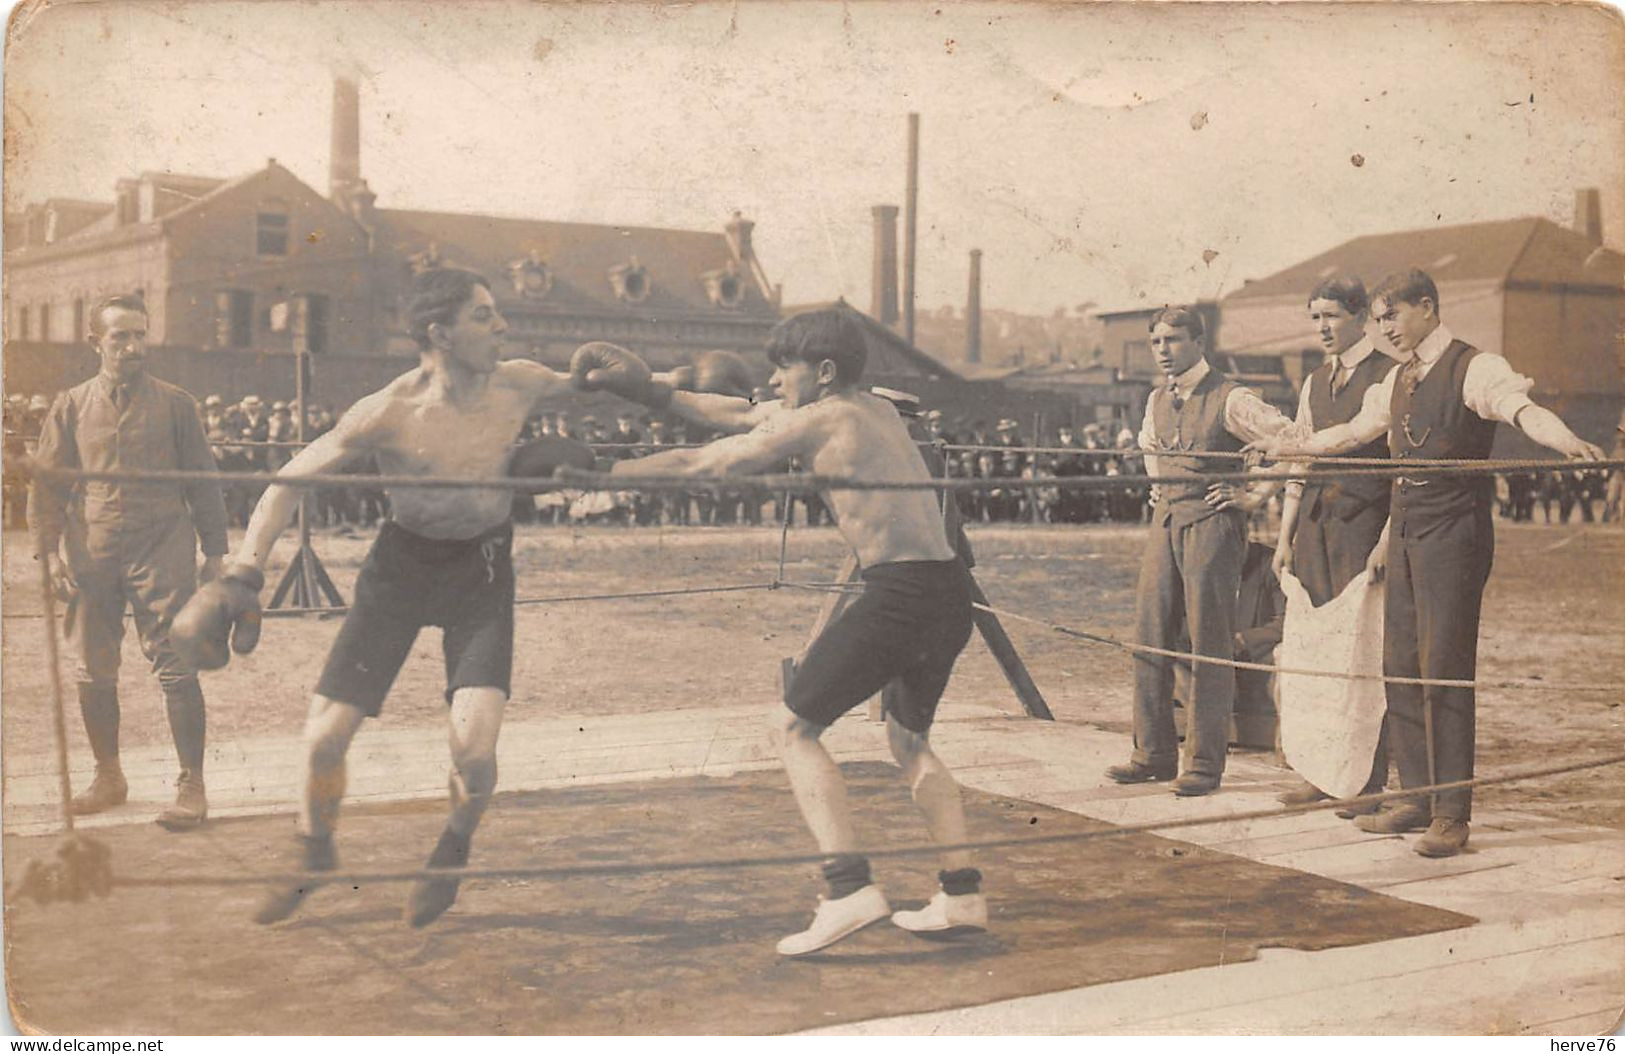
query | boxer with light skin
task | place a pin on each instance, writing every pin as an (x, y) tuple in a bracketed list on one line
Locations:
[(443, 558), (909, 625)]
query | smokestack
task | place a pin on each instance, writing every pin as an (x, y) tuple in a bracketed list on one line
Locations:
[(344, 157), (883, 283), (973, 310), (1588, 214), (910, 218)]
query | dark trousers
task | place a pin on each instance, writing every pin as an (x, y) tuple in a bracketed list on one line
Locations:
[(1430, 629), (1327, 552), (1188, 576)]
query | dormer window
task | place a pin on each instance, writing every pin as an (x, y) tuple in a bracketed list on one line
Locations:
[(725, 287), (532, 278), (271, 229), (630, 281)]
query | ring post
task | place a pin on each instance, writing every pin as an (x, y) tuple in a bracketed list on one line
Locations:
[(59, 723)]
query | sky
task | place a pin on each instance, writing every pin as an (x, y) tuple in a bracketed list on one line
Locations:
[(1116, 154)]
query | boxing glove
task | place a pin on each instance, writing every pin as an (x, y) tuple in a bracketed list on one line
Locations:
[(722, 372), (601, 366), (227, 606), (542, 457)]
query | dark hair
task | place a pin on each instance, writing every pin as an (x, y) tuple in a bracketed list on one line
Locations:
[(813, 336), (1179, 316), (437, 295), (1408, 287), (122, 301), (1346, 290)]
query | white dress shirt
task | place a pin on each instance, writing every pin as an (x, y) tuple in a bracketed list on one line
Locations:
[(1492, 389)]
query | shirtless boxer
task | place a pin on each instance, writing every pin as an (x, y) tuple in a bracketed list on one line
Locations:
[(442, 559), (909, 625)]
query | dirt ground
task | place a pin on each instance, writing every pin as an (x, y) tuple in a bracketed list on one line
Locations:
[(1552, 611)]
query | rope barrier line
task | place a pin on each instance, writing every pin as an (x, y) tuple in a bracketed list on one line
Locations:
[(565, 599), (1231, 455), (741, 863), (1238, 664), (796, 482)]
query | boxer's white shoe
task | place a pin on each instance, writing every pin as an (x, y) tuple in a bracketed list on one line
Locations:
[(836, 919), (946, 913)]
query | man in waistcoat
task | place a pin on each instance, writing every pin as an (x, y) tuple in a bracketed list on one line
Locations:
[(1444, 402), (1329, 529), (1191, 569)]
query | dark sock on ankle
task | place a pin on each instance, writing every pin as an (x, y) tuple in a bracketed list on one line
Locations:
[(451, 850), (959, 882), (846, 874)]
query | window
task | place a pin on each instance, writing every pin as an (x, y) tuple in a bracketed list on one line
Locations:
[(233, 318), (271, 231), (79, 332), (22, 322), (45, 322)]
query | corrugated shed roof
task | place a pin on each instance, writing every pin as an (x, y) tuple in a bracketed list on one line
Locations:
[(580, 257)]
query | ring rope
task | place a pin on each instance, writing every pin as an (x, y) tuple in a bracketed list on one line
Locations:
[(1233, 455), (798, 482), (793, 859), (564, 599), (1238, 664)]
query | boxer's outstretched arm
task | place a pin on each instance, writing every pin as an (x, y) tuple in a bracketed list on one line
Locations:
[(538, 381), (725, 413), (351, 438), (777, 438)]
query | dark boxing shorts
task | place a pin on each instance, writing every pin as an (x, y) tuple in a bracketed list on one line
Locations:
[(408, 582), (909, 625)]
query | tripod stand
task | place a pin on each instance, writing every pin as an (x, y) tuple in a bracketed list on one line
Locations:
[(305, 584)]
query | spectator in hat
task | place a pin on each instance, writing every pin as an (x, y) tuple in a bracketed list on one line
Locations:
[(280, 429)]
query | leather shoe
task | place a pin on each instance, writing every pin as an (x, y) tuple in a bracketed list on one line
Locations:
[(1304, 793), (1195, 784), (836, 919), (429, 898), (1353, 809), (946, 913), (107, 790), (1396, 820), (1135, 772), (191, 805), (315, 854), (1444, 837)]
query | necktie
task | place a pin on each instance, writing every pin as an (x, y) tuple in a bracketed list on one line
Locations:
[(1178, 401), (121, 396), (1339, 376)]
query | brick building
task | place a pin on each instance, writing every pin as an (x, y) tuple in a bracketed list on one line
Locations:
[(238, 272)]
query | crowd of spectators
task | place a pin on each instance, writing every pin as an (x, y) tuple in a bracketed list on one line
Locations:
[(1101, 451), (253, 435), (1587, 490)]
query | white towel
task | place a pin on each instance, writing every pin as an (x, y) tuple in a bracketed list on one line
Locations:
[(1329, 727)]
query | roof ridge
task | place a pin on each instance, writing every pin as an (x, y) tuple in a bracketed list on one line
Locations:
[(531, 220), (1523, 250)]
